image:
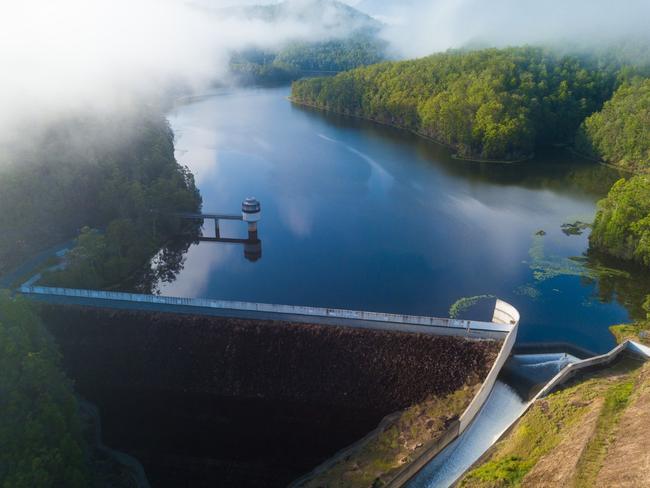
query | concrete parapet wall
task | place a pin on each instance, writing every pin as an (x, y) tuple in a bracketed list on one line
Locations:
[(410, 323), (507, 315), (597, 361)]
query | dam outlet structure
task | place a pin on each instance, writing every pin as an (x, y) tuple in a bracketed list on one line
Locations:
[(251, 214)]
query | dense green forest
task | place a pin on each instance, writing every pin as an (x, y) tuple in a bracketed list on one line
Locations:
[(116, 173), (622, 225), (298, 59), (487, 104), (620, 133), (41, 432), (352, 40)]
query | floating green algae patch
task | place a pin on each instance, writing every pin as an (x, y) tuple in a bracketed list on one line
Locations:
[(528, 290), (554, 420), (463, 304), (546, 267), (575, 228)]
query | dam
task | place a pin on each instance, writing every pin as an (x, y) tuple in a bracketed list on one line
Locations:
[(205, 391)]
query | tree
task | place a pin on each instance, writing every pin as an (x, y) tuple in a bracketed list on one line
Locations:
[(487, 104), (622, 224), (42, 443)]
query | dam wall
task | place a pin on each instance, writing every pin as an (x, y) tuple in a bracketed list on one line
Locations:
[(205, 399), (447, 365)]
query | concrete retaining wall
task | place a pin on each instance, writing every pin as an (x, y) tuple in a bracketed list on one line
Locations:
[(507, 315), (598, 361)]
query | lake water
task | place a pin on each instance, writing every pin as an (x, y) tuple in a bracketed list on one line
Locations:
[(360, 216)]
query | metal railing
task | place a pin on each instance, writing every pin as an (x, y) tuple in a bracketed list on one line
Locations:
[(461, 325)]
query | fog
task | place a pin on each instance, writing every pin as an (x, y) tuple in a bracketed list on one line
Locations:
[(59, 58), (420, 27), (71, 55)]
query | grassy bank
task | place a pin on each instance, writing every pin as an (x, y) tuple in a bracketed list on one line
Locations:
[(397, 442), (575, 437), (638, 331)]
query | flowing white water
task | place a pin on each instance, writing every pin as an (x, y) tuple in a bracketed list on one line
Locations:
[(501, 409)]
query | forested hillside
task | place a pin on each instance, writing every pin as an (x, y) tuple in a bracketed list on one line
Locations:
[(622, 225), (298, 59), (349, 39), (488, 104), (620, 133), (115, 173), (42, 443)]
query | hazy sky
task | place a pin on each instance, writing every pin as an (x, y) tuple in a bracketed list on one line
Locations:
[(419, 27), (99, 54), (70, 54)]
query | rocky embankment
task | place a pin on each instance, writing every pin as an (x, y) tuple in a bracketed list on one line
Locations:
[(202, 400)]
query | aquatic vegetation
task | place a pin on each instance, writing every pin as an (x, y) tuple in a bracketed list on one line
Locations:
[(547, 267), (463, 304), (528, 290), (576, 228)]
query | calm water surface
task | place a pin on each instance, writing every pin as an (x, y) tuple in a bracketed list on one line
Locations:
[(366, 217)]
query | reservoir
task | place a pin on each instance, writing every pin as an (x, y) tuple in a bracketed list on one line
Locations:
[(361, 216)]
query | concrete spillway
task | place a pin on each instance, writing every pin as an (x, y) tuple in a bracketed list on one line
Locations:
[(504, 405)]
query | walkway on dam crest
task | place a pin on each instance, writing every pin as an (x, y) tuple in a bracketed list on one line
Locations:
[(498, 329)]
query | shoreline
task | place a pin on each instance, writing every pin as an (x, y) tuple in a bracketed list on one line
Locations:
[(602, 162), (411, 131)]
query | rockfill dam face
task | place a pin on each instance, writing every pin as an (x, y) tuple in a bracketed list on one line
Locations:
[(207, 401)]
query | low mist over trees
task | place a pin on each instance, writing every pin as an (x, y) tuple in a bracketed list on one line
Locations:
[(620, 133), (116, 173), (299, 58), (489, 104), (344, 38)]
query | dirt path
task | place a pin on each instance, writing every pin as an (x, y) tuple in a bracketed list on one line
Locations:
[(628, 461), (557, 468)]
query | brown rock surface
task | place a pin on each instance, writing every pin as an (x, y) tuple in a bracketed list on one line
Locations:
[(205, 400)]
